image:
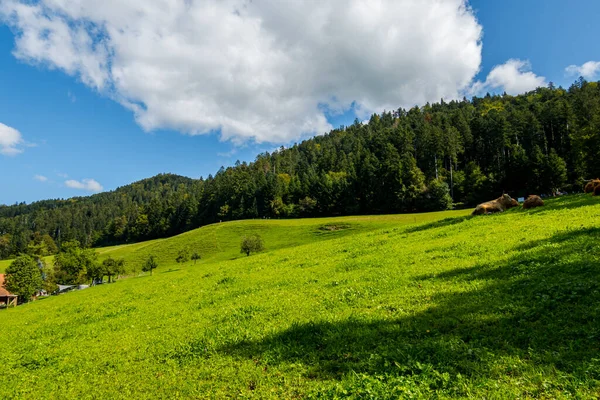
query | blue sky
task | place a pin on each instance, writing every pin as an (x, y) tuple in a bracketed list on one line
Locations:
[(71, 128)]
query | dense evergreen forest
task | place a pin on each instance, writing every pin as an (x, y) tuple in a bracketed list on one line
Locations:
[(422, 159)]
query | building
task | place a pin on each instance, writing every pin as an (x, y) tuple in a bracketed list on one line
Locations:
[(6, 298)]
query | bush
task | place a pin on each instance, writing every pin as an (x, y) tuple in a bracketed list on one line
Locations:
[(251, 244)]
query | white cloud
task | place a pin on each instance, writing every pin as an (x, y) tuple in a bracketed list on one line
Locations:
[(40, 178), (588, 70), (62, 175), (91, 185), (10, 141), (228, 154), (514, 77), (262, 70)]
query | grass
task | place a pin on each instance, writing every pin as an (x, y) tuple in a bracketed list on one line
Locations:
[(5, 263), (220, 242), (500, 306)]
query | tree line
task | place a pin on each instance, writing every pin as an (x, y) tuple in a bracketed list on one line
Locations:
[(422, 159)]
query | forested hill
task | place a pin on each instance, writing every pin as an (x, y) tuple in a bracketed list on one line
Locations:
[(400, 161), (93, 219)]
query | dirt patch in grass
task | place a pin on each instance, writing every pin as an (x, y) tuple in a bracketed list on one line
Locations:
[(334, 227)]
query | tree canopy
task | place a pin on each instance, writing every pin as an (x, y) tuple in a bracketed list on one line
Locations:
[(150, 265), (183, 256), (74, 265), (23, 277), (251, 244)]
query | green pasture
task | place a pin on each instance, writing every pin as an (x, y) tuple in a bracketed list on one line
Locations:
[(221, 242), (499, 306)]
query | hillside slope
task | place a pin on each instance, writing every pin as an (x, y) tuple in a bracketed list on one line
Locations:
[(500, 306), (221, 241)]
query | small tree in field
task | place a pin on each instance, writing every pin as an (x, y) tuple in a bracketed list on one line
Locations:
[(112, 267), (23, 277), (196, 257), (251, 244), (150, 265), (183, 256)]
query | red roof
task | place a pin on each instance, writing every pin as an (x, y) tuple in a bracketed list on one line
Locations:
[(3, 291)]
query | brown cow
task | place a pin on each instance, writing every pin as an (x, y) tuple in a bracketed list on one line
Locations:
[(502, 203), (591, 185), (533, 201)]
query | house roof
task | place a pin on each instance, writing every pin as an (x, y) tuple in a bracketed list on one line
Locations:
[(3, 291)]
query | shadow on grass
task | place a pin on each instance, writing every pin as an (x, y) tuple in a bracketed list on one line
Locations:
[(170, 270), (438, 224), (537, 311)]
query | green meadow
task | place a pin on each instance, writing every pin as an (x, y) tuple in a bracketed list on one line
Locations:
[(220, 242), (438, 305)]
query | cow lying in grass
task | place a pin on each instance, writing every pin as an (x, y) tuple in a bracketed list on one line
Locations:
[(591, 186), (533, 201), (502, 203)]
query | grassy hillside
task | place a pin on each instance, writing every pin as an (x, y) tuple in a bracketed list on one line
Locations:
[(219, 242), (501, 306)]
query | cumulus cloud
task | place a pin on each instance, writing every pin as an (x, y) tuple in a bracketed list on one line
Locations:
[(90, 185), (10, 140), (514, 77), (588, 70), (40, 178), (253, 70)]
